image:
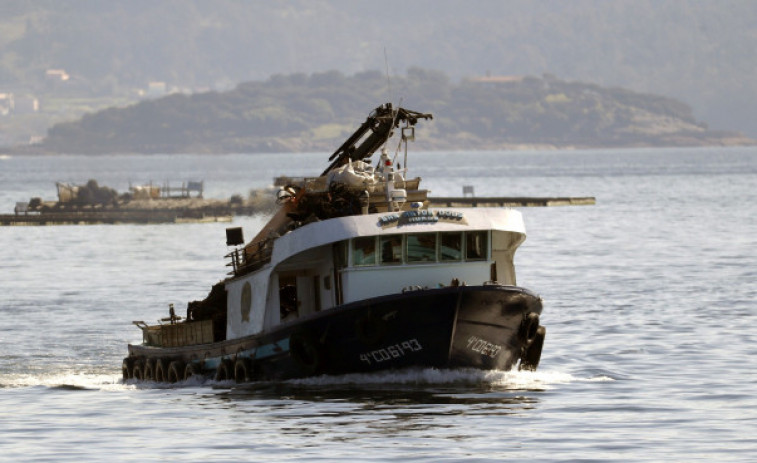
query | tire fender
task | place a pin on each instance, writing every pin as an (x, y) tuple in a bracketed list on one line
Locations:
[(225, 370), (175, 371)]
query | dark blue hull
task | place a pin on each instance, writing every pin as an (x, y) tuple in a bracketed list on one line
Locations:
[(487, 327)]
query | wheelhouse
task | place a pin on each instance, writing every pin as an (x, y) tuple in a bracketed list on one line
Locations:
[(342, 260)]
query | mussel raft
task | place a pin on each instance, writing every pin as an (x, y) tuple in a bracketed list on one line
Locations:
[(356, 273)]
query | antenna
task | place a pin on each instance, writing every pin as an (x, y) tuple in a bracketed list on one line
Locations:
[(395, 112), (388, 80)]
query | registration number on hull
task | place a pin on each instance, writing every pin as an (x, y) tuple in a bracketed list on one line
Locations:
[(394, 351), (483, 347)]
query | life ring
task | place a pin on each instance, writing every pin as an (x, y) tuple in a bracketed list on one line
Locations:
[(225, 370), (175, 371), (160, 370), (243, 370), (369, 329), (306, 353), (127, 368), (531, 355), (529, 327), (148, 374)]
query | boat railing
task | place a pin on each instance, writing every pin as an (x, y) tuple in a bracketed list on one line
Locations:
[(249, 258)]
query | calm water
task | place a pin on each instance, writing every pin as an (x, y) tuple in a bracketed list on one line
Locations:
[(649, 306)]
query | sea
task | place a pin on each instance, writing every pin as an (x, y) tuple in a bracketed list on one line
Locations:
[(650, 306)]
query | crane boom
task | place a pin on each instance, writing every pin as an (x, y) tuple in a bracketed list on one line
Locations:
[(373, 133)]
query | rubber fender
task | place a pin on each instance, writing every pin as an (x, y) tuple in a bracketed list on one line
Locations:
[(528, 327), (127, 367), (243, 370), (531, 356), (160, 370), (138, 369), (148, 374), (190, 370), (225, 370), (175, 371)]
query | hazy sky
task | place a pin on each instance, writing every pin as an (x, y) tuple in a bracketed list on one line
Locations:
[(704, 53)]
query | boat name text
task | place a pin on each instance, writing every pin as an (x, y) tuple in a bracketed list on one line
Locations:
[(391, 352), (424, 216)]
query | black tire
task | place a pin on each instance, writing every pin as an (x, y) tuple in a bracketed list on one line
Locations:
[(225, 370), (531, 356), (190, 370), (149, 372), (160, 370), (529, 327), (138, 370), (243, 370), (175, 371), (127, 368)]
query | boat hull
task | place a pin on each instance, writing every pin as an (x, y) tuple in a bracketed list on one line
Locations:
[(485, 327)]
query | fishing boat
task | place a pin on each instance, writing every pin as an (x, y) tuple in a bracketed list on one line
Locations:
[(356, 273)]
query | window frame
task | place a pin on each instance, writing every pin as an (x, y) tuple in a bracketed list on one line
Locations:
[(380, 252), (461, 235), (353, 255), (487, 243)]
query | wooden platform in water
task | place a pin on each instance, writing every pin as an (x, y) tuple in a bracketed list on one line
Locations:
[(514, 201), (148, 216), (111, 217)]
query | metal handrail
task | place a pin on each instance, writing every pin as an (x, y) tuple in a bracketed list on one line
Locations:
[(243, 261)]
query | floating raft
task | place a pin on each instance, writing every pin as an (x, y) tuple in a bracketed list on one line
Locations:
[(514, 201), (117, 217)]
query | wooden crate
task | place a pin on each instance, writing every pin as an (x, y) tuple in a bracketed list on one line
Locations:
[(187, 334)]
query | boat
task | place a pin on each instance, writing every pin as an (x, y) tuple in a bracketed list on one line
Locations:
[(355, 273)]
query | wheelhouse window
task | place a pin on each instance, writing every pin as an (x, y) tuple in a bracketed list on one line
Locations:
[(450, 246), (415, 248), (421, 247), (364, 251), (391, 249), (476, 245)]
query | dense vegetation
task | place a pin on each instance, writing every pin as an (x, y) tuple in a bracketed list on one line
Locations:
[(315, 112)]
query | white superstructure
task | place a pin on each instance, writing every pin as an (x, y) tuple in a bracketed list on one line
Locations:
[(342, 260)]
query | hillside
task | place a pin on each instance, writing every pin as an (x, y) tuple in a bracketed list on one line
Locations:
[(315, 112), (703, 53)]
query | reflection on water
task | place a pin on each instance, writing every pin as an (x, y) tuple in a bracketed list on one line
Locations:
[(376, 397), (381, 405), (409, 393)]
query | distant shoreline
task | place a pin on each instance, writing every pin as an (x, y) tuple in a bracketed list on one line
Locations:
[(727, 141)]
